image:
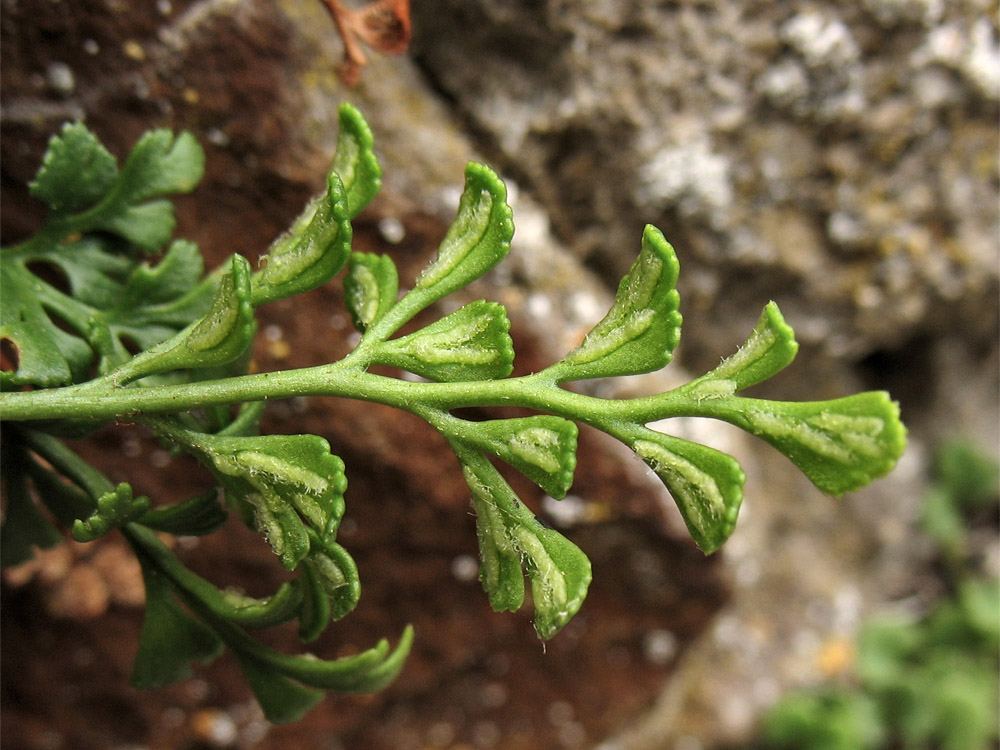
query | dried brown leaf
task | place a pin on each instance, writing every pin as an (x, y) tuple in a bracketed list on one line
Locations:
[(384, 25)]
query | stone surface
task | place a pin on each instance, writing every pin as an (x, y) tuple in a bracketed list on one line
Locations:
[(838, 157)]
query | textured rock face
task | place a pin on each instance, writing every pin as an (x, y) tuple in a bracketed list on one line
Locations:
[(839, 153), (837, 157)]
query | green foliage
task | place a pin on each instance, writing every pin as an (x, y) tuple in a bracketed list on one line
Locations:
[(922, 682), (171, 639), (642, 327), (470, 344), (100, 224), (966, 484), (24, 527), (370, 288), (834, 719), (114, 508), (707, 484), (75, 370)]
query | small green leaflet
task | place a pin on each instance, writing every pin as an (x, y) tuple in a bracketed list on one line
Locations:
[(171, 639), (286, 686), (65, 500), (159, 164), (114, 509), (111, 294), (130, 302), (311, 252), (510, 536), (336, 573), (151, 291), (542, 447), (283, 605), (229, 605), (370, 288), (643, 326), (82, 185), (355, 161), (220, 337), (24, 526), (841, 444), (707, 485), (258, 481), (200, 515), (477, 239), (472, 343), (770, 348), (366, 672), (47, 356), (314, 607), (111, 300), (286, 484), (225, 331), (76, 172), (282, 700), (318, 244)]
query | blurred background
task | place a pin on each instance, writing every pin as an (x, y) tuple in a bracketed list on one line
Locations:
[(840, 158)]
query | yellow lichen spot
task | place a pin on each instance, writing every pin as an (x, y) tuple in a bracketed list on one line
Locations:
[(279, 349), (835, 657), (213, 727), (599, 512), (133, 50), (190, 95)]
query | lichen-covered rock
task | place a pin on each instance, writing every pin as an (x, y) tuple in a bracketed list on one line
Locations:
[(843, 153)]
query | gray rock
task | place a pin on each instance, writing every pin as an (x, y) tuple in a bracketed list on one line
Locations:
[(845, 151)]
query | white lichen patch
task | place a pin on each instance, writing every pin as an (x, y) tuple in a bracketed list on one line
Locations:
[(972, 51), (892, 12), (821, 38), (690, 175)]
